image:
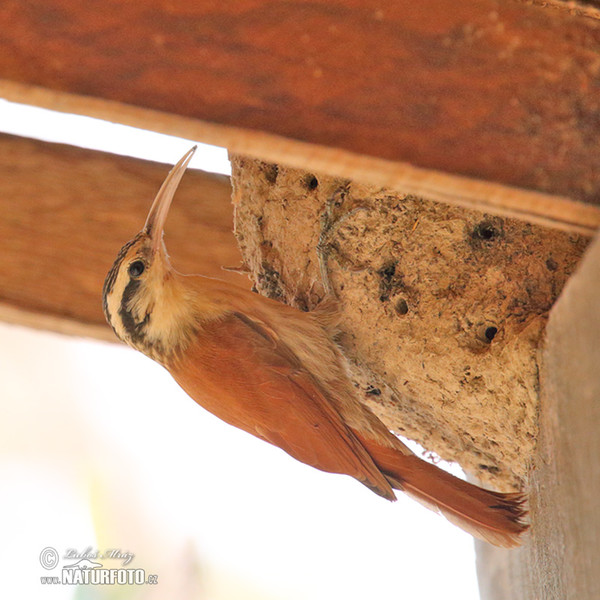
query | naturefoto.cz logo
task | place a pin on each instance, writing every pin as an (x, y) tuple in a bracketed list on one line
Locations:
[(85, 568)]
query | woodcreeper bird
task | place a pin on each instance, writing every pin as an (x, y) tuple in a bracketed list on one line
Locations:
[(277, 373)]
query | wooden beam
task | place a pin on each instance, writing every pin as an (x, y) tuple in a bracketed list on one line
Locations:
[(535, 207), (560, 557), (65, 212), (502, 92)]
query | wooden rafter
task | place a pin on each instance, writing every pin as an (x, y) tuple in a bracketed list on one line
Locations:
[(482, 103), (65, 212)]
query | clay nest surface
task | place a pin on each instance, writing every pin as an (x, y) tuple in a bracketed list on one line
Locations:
[(442, 309)]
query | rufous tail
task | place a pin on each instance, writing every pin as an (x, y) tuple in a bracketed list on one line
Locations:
[(494, 517)]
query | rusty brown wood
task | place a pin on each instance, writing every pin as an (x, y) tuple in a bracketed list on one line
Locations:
[(503, 91), (544, 209)]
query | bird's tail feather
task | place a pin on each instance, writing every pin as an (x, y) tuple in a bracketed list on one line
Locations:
[(497, 518)]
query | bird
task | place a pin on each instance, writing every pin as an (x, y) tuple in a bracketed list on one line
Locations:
[(278, 373)]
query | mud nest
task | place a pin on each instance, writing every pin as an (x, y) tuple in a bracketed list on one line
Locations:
[(443, 309)]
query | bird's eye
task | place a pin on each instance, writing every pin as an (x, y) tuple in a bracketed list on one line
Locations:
[(136, 268)]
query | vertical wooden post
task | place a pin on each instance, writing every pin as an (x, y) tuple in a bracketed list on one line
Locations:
[(561, 559)]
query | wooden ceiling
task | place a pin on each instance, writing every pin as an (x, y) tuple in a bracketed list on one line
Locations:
[(488, 104)]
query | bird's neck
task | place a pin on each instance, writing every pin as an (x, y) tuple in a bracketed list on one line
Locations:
[(161, 318)]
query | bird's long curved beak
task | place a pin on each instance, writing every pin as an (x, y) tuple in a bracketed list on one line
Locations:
[(157, 216)]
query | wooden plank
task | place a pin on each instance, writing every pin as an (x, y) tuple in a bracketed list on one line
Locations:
[(65, 212), (559, 560), (535, 207), (499, 91)]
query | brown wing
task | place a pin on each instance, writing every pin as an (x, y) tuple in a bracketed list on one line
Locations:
[(238, 370)]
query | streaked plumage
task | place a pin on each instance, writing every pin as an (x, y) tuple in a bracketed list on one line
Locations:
[(276, 372)]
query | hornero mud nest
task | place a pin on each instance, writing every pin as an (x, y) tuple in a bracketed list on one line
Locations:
[(443, 309)]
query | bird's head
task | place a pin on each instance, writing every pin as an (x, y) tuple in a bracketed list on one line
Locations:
[(142, 298)]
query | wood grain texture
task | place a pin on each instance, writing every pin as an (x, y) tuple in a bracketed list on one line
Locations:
[(549, 210), (559, 559), (65, 212), (500, 91)]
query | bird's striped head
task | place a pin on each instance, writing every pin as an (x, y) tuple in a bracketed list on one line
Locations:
[(143, 299)]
